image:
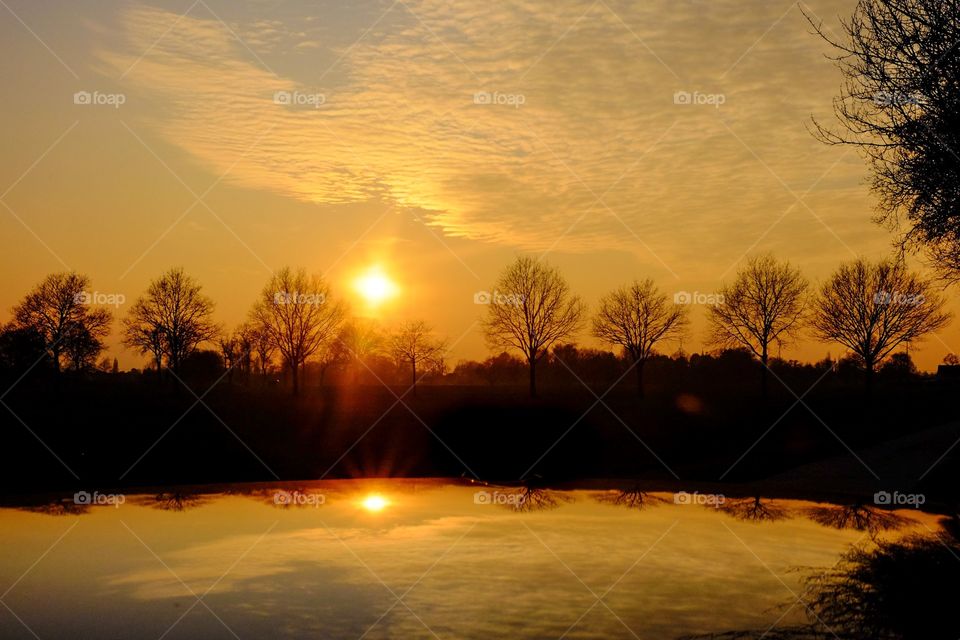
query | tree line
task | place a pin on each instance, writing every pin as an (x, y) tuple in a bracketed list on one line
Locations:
[(869, 308)]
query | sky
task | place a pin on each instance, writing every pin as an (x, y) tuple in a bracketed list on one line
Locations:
[(433, 139)]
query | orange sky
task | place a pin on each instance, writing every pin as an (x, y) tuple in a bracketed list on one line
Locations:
[(339, 136)]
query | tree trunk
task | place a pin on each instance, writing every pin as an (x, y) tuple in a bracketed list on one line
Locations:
[(868, 378), (413, 379), (533, 377), (639, 369), (295, 372), (55, 352), (763, 374)]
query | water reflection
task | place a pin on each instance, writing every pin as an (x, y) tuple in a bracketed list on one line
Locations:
[(58, 507), (528, 499), (755, 509), (629, 498), (897, 589), (465, 566), (858, 517), (174, 500)]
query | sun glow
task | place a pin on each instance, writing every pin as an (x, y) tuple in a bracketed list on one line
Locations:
[(374, 503), (375, 286)]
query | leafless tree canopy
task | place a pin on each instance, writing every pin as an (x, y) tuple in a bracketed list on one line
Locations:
[(263, 347), (857, 517), (530, 499), (872, 308), (170, 320), (638, 317), (898, 105), (237, 350), (755, 509), (629, 498), (58, 310), (534, 309), (764, 304), (358, 341), (298, 316), (414, 344)]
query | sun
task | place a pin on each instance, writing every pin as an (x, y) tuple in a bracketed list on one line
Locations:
[(374, 503), (375, 286)]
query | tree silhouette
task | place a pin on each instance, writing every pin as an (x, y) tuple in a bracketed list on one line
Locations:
[(531, 309), (176, 500), (764, 304), (858, 517), (629, 498), (296, 313), (898, 106), (754, 509), (170, 320), (58, 310), (528, 499), (413, 343), (637, 317), (21, 348), (262, 346), (359, 340), (872, 308)]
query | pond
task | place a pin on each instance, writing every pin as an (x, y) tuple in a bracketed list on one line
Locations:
[(412, 559)]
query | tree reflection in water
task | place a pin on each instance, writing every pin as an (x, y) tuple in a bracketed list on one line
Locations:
[(176, 500), (755, 510), (629, 498), (903, 590), (530, 498), (64, 507), (856, 516)]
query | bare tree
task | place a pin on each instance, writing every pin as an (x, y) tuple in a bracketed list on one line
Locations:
[(236, 350), (85, 340), (360, 339), (58, 310), (897, 105), (530, 309), (230, 352), (170, 320), (262, 346), (764, 305), (872, 308), (244, 337), (637, 317), (295, 311), (415, 345)]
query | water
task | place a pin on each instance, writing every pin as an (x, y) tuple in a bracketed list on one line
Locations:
[(426, 561)]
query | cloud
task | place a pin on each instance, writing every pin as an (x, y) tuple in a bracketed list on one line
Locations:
[(587, 150)]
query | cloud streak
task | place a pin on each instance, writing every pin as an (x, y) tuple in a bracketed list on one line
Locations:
[(597, 157)]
